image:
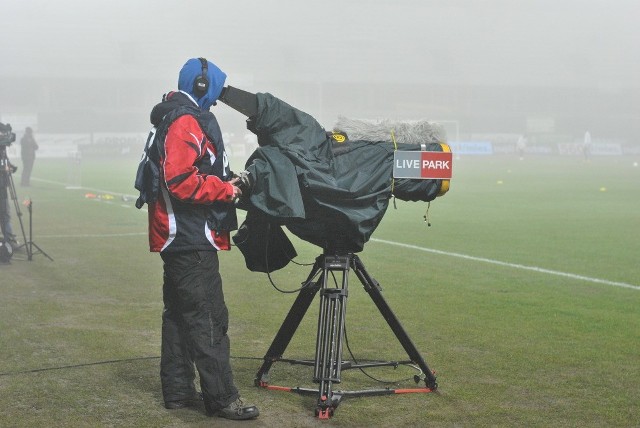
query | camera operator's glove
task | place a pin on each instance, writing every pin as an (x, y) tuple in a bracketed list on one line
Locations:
[(245, 183)]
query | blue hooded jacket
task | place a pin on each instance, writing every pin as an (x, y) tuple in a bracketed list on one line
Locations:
[(191, 70)]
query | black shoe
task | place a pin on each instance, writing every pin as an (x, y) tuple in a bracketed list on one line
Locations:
[(181, 404), (237, 411)]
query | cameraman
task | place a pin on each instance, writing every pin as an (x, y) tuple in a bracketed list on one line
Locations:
[(28, 147), (6, 168), (189, 223)]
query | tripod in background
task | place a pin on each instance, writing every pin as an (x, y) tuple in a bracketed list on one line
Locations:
[(30, 244), (7, 170)]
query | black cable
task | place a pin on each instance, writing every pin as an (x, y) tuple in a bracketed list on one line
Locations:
[(303, 286), (99, 363), (300, 264), (346, 341), (266, 263), (128, 360), (73, 366)]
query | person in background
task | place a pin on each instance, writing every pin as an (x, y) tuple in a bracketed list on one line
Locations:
[(521, 145), (189, 222), (586, 146), (28, 147)]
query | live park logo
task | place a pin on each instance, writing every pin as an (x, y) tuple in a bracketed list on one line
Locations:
[(433, 165)]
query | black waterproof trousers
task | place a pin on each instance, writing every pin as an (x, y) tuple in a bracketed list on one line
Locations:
[(27, 167), (194, 330)]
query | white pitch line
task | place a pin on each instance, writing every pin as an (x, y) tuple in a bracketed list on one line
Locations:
[(511, 265), (91, 189), (431, 250), (95, 235)]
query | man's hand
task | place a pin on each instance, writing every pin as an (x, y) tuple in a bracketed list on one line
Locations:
[(237, 193), (8, 167)]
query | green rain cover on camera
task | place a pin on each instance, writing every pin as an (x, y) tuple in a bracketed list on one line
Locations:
[(328, 192), (333, 197)]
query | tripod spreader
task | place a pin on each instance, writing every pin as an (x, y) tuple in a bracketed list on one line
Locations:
[(328, 362)]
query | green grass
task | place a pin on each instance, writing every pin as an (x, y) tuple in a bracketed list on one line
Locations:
[(511, 346)]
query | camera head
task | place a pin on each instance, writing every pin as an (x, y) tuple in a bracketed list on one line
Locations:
[(6, 136)]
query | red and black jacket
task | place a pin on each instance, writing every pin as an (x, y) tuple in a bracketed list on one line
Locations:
[(194, 209)]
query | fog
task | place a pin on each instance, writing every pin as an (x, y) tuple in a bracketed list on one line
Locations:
[(493, 66)]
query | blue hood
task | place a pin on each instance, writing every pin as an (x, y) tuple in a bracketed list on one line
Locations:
[(192, 69)]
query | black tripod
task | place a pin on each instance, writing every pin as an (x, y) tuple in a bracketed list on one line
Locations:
[(6, 181), (30, 244), (7, 170), (329, 340)]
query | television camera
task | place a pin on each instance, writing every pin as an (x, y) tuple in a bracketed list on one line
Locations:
[(6, 136), (327, 188)]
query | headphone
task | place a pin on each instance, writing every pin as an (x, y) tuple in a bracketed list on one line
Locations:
[(201, 84)]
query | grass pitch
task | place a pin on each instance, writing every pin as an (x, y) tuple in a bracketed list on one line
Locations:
[(523, 296)]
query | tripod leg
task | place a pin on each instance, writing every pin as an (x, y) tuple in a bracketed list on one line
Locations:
[(328, 363), (16, 204), (288, 327), (373, 289), (331, 319), (40, 250)]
